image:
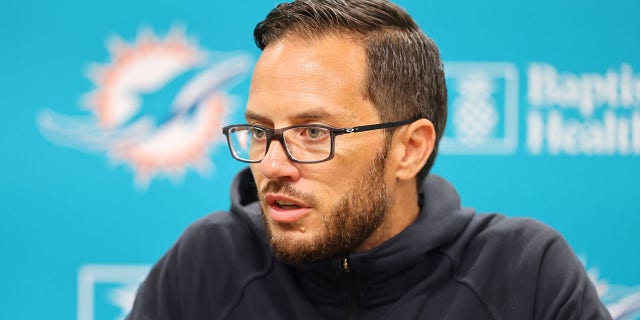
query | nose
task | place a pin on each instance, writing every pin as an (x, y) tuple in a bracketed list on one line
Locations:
[(276, 165)]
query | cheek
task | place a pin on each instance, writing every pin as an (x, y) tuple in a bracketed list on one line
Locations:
[(330, 183), (257, 176), (323, 181)]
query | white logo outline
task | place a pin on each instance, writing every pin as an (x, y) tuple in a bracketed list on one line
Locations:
[(91, 274)]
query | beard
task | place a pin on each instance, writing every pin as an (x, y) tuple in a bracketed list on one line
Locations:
[(351, 221)]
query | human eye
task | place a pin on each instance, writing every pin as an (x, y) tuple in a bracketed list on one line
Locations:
[(258, 133), (315, 133)]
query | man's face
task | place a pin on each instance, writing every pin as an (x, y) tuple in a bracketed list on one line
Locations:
[(328, 209)]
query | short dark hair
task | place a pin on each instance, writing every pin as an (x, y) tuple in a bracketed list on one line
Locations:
[(405, 76)]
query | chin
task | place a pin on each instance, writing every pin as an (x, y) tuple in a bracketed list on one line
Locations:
[(293, 246), (292, 233)]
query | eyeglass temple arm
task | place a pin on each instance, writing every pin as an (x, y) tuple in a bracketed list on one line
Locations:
[(374, 127)]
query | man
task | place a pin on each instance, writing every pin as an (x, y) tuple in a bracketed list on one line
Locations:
[(336, 218)]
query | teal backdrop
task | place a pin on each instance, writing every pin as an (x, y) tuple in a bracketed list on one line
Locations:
[(111, 144)]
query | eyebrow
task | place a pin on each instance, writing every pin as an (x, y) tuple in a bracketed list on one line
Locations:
[(251, 115), (313, 114)]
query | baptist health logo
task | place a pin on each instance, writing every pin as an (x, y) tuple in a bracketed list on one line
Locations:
[(483, 108), (108, 291), (157, 107), (569, 113), (583, 113)]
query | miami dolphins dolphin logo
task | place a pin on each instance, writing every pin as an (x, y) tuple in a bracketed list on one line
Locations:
[(157, 106), (623, 302)]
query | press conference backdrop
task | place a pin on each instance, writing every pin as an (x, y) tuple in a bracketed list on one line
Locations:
[(111, 144)]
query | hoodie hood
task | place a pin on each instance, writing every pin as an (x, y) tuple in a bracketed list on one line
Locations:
[(384, 274), (440, 221), (244, 201)]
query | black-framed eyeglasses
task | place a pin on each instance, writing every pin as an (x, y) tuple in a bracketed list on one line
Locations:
[(311, 143)]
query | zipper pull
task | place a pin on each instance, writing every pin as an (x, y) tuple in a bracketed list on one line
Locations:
[(345, 265)]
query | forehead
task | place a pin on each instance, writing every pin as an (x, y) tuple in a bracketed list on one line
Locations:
[(318, 79)]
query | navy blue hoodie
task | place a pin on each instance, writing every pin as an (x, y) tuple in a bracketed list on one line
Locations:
[(449, 264)]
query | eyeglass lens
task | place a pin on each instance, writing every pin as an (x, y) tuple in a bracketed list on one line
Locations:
[(303, 143)]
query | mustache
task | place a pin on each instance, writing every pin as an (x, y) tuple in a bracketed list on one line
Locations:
[(288, 190)]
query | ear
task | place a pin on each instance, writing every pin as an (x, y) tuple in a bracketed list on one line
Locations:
[(414, 144)]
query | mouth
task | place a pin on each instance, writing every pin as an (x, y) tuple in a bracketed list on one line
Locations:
[(284, 209), (286, 205)]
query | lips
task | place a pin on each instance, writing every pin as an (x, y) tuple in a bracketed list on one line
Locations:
[(284, 209)]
